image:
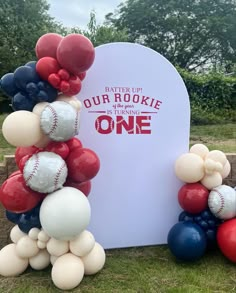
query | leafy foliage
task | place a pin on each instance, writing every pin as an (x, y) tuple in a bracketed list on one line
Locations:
[(190, 33)]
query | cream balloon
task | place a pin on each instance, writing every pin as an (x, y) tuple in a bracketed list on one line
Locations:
[(199, 149), (43, 236), (71, 100), (189, 168), (16, 234), (22, 128), (53, 259), (212, 166), (41, 244), (33, 233), (212, 181), (11, 265), (67, 272), (95, 260), (43, 142), (217, 156), (82, 244), (40, 261), (57, 247), (38, 108), (226, 170), (26, 247)]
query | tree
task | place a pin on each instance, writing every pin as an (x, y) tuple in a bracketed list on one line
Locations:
[(22, 22), (190, 33), (101, 34)]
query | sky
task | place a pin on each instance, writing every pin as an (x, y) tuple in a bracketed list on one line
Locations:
[(76, 12)]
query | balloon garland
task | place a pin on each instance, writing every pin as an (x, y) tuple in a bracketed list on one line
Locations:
[(209, 207), (47, 197)]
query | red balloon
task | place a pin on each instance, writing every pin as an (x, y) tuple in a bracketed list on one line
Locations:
[(74, 143), (59, 148), (193, 197), (75, 53), (16, 197), (15, 173), (47, 66), (83, 164), (23, 161), (226, 238), (47, 44), (23, 151), (82, 75), (85, 187)]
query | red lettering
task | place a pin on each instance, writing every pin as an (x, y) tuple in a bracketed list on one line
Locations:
[(117, 98), (127, 98), (105, 99), (157, 105), (128, 126), (141, 123), (87, 103), (144, 100), (104, 124), (96, 100), (135, 98)]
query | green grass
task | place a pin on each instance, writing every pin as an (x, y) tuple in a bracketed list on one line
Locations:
[(149, 269)]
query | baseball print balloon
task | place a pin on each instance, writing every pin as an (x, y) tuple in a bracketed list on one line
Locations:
[(222, 202), (45, 172), (60, 121)]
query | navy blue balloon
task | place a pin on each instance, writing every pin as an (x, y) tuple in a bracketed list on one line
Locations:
[(22, 102), (12, 217), (8, 86), (24, 75), (51, 92), (31, 64), (187, 241)]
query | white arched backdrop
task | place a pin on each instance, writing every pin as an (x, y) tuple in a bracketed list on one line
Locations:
[(136, 117)]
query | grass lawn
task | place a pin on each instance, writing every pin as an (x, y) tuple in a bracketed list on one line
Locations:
[(147, 269)]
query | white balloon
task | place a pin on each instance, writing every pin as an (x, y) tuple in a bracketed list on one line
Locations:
[(212, 180), (82, 244), (189, 168), (40, 261), (71, 100), (38, 108), (95, 260), (41, 244), (26, 247), (53, 259), (57, 247), (199, 149), (222, 202), (33, 233), (60, 121), (65, 213), (22, 128), (217, 156), (11, 265), (67, 272), (43, 236), (226, 170), (16, 234), (45, 172)]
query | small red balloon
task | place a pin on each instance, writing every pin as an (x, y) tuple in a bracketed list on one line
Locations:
[(226, 239), (74, 143), (59, 148), (82, 75), (193, 197), (23, 151), (83, 164), (85, 187), (47, 66), (75, 53), (16, 197), (23, 161), (47, 44)]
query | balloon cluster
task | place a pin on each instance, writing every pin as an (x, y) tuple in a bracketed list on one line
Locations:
[(61, 67), (209, 208), (47, 197)]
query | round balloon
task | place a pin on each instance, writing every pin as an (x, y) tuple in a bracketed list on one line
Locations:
[(75, 53), (59, 148), (65, 213), (193, 197), (45, 172), (199, 149), (16, 197), (85, 187), (47, 44), (24, 151), (22, 128), (60, 121), (187, 241), (226, 238), (83, 165)]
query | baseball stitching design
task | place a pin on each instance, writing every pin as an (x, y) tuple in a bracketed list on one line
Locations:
[(57, 176), (55, 119), (222, 202), (34, 170), (76, 122)]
